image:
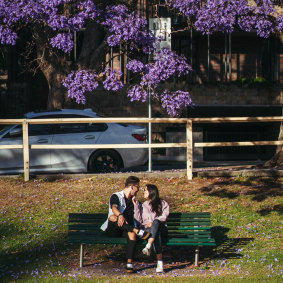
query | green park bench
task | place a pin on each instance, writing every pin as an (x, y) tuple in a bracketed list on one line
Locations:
[(184, 229)]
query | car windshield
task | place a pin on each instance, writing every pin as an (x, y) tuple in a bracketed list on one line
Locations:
[(5, 130)]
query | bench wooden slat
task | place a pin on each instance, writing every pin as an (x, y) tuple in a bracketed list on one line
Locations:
[(73, 216), (96, 233), (111, 240)]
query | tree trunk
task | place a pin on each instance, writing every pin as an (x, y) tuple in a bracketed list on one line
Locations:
[(57, 96), (94, 48), (277, 159), (55, 67)]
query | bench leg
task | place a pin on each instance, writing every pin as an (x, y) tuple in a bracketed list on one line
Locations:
[(197, 256), (81, 255)]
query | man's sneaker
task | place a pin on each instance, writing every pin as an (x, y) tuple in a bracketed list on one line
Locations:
[(146, 251), (143, 234), (129, 268), (159, 269)]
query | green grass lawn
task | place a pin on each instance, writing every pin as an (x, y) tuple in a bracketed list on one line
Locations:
[(246, 223)]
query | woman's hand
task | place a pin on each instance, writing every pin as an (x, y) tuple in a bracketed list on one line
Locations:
[(149, 225), (135, 200)]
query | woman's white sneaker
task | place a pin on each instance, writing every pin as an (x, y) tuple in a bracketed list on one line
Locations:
[(159, 268), (146, 251)]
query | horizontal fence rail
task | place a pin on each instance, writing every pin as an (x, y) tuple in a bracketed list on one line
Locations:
[(188, 144)]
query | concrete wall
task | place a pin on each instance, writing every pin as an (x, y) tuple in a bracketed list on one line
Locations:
[(119, 105)]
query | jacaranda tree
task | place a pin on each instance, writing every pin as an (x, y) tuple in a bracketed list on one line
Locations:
[(110, 24), (116, 24)]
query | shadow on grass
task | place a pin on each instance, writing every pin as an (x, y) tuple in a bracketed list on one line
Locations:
[(181, 257), (278, 208), (258, 188), (25, 261), (227, 248)]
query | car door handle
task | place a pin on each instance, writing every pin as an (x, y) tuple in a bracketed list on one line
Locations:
[(42, 141), (89, 137)]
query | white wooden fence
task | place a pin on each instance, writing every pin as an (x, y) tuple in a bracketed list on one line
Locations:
[(188, 144)]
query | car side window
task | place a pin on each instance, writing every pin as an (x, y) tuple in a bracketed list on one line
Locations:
[(33, 130), (14, 133), (40, 129), (79, 127)]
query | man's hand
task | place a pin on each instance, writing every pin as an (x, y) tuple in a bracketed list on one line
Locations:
[(117, 213), (149, 225), (121, 220)]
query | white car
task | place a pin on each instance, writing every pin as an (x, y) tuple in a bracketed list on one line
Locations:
[(73, 160)]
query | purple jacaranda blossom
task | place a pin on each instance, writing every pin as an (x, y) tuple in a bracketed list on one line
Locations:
[(137, 93), (173, 102), (45, 12), (63, 41), (166, 63), (7, 36), (188, 7), (78, 83), (112, 81), (135, 66), (126, 26)]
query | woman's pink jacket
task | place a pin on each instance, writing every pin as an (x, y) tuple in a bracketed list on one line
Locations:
[(144, 215)]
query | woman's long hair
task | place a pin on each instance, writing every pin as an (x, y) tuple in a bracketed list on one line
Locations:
[(155, 201)]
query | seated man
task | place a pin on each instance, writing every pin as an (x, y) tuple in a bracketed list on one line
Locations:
[(121, 218)]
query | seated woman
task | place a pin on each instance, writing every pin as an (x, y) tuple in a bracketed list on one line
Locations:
[(152, 216)]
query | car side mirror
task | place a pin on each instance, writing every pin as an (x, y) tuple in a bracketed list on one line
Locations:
[(16, 132)]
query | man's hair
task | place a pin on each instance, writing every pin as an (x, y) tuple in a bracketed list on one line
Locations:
[(132, 180)]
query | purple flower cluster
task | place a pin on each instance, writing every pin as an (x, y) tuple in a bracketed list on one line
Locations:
[(126, 26), (173, 102), (188, 7), (224, 15), (63, 41), (85, 10), (46, 12), (247, 18), (135, 66), (7, 36), (263, 18), (216, 16), (165, 64), (137, 93), (80, 82), (265, 25), (112, 81)]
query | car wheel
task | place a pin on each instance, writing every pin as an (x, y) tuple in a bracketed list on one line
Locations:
[(104, 161)]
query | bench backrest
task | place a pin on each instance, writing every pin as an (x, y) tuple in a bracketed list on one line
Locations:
[(180, 225)]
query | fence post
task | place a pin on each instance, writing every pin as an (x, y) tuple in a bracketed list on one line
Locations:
[(189, 131), (25, 150)]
